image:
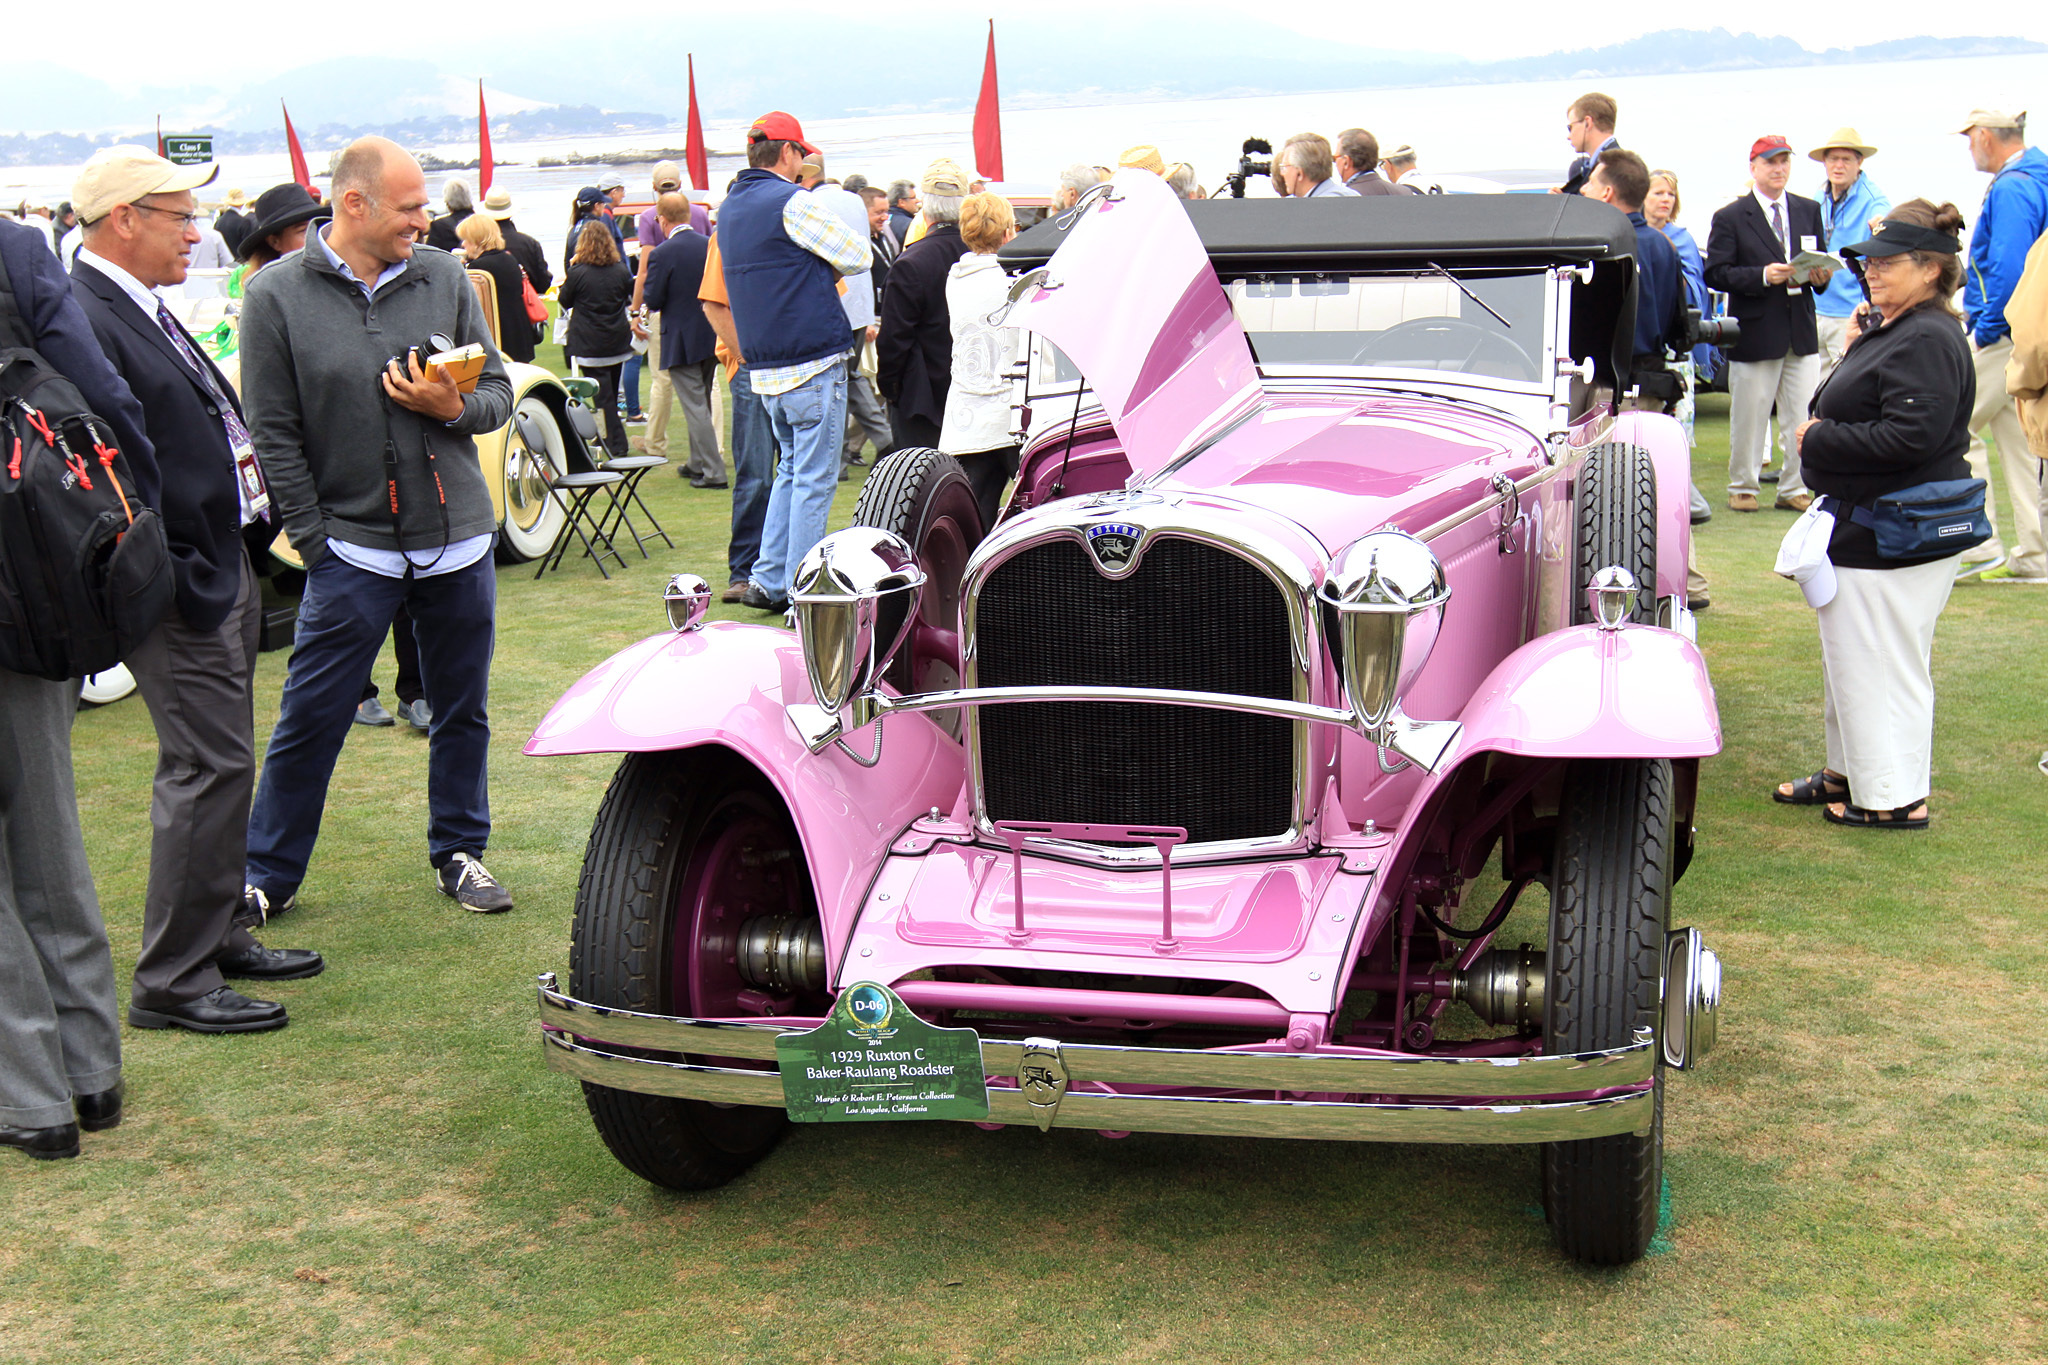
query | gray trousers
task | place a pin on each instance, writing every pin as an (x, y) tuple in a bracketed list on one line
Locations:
[(865, 418), (197, 684), (59, 1034), (694, 395)]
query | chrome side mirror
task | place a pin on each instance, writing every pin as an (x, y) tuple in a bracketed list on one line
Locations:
[(687, 598), (1388, 591), (838, 591)]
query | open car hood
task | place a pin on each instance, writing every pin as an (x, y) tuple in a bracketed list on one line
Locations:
[(1131, 298)]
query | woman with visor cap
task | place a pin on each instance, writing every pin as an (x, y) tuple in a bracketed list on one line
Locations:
[(1893, 415)]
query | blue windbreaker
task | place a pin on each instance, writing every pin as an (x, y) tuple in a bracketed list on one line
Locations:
[(2014, 213), (1846, 226)]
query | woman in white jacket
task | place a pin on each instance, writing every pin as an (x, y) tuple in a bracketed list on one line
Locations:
[(976, 430)]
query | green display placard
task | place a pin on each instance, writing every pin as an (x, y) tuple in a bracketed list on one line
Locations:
[(872, 1060), (189, 151)]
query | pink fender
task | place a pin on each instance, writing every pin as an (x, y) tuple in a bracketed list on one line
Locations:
[(1637, 692), (1665, 440), (725, 684)]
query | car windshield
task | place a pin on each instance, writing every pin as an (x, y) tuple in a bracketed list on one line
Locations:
[(1493, 327)]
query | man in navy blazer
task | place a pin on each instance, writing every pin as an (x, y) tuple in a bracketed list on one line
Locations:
[(675, 270), (1777, 362), (196, 668)]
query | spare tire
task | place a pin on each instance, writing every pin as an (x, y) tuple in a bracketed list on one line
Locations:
[(1617, 524)]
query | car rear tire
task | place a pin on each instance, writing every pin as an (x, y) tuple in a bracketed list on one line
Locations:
[(1617, 524), (1609, 900), (532, 518), (686, 848), (927, 499)]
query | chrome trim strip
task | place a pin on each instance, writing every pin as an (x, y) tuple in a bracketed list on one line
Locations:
[(1308, 1073), (1161, 696), (1490, 502), (1564, 1120)]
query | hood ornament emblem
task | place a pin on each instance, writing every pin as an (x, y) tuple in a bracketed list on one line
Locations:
[(1115, 546), (1042, 1078)]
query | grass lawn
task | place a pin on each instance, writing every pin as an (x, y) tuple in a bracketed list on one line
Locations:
[(1859, 1173)]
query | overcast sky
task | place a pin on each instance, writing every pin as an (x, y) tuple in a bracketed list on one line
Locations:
[(125, 41)]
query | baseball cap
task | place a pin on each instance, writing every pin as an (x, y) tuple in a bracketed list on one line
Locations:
[(1803, 555), (608, 183), (1992, 118), (667, 176), (1769, 145), (122, 175), (946, 178), (776, 126)]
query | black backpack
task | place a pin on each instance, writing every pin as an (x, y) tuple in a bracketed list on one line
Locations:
[(85, 571)]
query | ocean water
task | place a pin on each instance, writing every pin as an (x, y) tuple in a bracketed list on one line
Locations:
[(1699, 126)]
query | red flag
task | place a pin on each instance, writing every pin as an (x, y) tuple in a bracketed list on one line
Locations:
[(693, 146), (483, 142), (988, 117), (299, 171), (160, 135)]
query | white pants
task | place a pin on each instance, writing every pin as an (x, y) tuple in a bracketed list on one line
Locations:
[(1753, 386), (1834, 341), (1876, 641), (1994, 412)]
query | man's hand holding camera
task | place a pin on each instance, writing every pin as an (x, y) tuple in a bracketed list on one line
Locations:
[(439, 398)]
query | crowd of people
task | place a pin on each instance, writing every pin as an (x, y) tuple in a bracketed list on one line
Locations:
[(842, 315)]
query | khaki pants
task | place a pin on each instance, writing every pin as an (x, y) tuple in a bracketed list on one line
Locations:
[(1995, 412), (659, 394), (1753, 386), (1834, 340)]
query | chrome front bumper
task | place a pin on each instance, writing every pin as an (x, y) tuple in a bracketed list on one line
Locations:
[(1479, 1095)]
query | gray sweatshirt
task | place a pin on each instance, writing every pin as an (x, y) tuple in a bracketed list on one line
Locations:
[(312, 347)]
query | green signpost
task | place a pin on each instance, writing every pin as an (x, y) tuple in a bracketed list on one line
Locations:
[(873, 1060), (195, 150)]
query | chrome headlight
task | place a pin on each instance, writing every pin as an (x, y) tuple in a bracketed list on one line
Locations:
[(687, 598), (1389, 593), (840, 591)]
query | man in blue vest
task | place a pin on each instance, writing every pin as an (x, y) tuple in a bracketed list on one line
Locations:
[(784, 253)]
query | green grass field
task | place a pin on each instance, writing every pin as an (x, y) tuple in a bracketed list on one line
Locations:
[(1858, 1174)]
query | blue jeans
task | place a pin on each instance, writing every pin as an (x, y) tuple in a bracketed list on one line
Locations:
[(810, 424), (343, 618), (630, 385), (753, 466)]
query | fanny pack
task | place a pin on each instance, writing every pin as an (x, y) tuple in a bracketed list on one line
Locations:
[(1925, 521)]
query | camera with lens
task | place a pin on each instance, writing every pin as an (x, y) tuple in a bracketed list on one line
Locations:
[(1248, 167), (1705, 331)]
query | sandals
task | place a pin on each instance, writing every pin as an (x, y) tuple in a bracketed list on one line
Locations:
[(1818, 790), (1856, 817)]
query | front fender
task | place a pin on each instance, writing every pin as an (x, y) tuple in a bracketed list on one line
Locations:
[(726, 684), (1637, 692), (1664, 438)]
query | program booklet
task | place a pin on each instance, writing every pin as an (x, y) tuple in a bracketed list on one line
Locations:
[(464, 364), (1806, 262)]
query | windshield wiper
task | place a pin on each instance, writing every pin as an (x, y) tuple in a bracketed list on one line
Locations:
[(1469, 294)]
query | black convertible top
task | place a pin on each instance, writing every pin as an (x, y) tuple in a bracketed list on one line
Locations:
[(1386, 230)]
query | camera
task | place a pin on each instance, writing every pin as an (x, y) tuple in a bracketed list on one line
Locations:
[(1703, 331), (1247, 167)]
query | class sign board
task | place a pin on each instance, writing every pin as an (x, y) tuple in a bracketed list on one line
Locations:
[(872, 1060), (193, 150)]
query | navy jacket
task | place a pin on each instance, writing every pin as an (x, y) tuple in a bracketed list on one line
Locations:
[(1739, 245), (1660, 293), (914, 351), (199, 505), (675, 272), (785, 300), (64, 338)]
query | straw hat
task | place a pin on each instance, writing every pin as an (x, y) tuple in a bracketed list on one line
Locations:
[(1844, 137), (235, 198), (497, 204), (1143, 157)]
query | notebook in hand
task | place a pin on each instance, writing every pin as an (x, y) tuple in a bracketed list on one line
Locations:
[(464, 364)]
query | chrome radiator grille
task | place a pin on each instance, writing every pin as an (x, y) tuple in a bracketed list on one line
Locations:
[(1190, 616)]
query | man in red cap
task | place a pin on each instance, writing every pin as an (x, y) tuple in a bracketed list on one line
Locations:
[(1749, 256), (783, 255)]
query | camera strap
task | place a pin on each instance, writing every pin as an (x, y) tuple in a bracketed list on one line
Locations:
[(391, 493)]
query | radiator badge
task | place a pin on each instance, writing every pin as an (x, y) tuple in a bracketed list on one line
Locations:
[(1042, 1076), (1115, 545)]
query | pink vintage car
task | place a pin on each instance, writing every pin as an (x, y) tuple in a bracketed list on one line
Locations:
[(1332, 608)]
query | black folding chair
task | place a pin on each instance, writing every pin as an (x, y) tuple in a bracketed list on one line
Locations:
[(572, 490), (632, 468)]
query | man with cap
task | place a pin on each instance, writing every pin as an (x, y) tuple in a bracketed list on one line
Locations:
[(1589, 128), (1399, 164), (2011, 219), (1305, 169), (197, 669), (60, 1033), (1777, 362), (231, 222), (783, 254), (1851, 207), (525, 249), (914, 348)]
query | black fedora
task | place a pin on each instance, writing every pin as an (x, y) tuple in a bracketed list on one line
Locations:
[(277, 208)]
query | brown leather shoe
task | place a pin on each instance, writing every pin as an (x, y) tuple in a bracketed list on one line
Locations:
[(735, 592), (1798, 502), (1742, 502)]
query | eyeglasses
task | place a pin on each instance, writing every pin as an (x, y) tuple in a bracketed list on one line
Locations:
[(185, 220), (1879, 263)]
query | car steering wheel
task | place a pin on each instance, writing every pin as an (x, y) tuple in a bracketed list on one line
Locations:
[(1449, 343)]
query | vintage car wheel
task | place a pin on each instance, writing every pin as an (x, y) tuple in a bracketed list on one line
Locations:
[(925, 497), (532, 518), (687, 848), (1617, 525), (1609, 894)]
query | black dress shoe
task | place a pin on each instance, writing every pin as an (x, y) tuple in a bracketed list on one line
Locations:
[(221, 1010), (99, 1112), (271, 964), (44, 1144), (761, 601)]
